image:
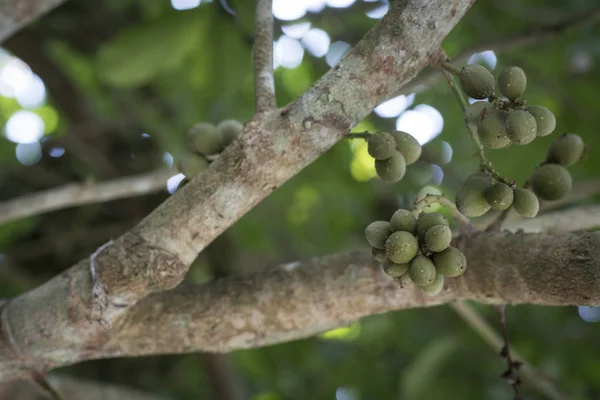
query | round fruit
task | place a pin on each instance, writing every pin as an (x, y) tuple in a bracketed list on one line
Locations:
[(205, 139), (526, 203), (470, 198), (437, 152), (429, 220), (544, 119), (566, 150), (492, 129), (521, 127), (474, 112), (422, 271), (381, 145), (450, 262), (500, 196), (377, 233), (551, 182), (476, 81), (436, 287), (512, 82), (229, 129), (403, 220), (378, 254), (408, 146), (438, 238), (391, 169), (191, 165), (394, 270), (401, 247)]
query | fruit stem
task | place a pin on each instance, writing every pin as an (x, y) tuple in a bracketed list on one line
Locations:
[(429, 199), (451, 68), (358, 135)]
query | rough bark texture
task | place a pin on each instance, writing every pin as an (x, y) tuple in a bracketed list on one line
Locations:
[(14, 14)]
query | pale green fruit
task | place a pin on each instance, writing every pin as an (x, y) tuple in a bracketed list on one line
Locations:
[(435, 288), (401, 247), (500, 196), (551, 182), (191, 165), (391, 169), (378, 254), (408, 146), (204, 138), (377, 233), (450, 262), (544, 119), (470, 198), (474, 113), (476, 81), (512, 82), (381, 145), (394, 270), (427, 221), (566, 150), (526, 203), (422, 271), (229, 129), (521, 127), (492, 129), (437, 152), (438, 238), (403, 220)]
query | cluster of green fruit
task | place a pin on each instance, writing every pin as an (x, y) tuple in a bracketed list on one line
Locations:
[(204, 140), (392, 152), (500, 123), (416, 248)]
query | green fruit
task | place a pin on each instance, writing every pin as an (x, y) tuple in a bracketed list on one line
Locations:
[(566, 150), (470, 198), (436, 287), (500, 196), (422, 271), (544, 119), (381, 145), (229, 129), (378, 254), (191, 165), (521, 127), (475, 112), (408, 146), (492, 129), (377, 233), (526, 203), (436, 152), (401, 247), (512, 82), (476, 81), (205, 139), (427, 221), (438, 238), (551, 182), (450, 262), (394, 270), (403, 220), (391, 169)]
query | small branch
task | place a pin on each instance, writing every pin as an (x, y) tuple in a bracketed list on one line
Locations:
[(428, 200), (264, 84), (511, 374), (450, 68), (40, 379), (456, 90), (497, 224)]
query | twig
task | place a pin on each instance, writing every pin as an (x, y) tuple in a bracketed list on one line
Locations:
[(40, 379), (264, 85), (530, 375), (429, 199), (511, 373), (358, 135), (450, 68)]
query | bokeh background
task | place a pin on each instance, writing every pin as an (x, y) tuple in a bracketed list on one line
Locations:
[(98, 90)]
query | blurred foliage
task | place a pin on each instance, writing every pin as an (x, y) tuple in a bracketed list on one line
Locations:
[(142, 67)]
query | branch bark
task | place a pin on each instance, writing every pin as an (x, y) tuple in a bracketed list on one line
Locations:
[(15, 14), (264, 84)]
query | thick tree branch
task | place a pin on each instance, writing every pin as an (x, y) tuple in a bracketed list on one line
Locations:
[(14, 14), (264, 84), (76, 194)]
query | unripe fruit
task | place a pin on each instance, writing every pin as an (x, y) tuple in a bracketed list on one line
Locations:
[(408, 146), (492, 129), (551, 182), (512, 82), (422, 271), (191, 165), (476, 81), (500, 196), (377, 233), (566, 150), (391, 169), (470, 198), (378, 254), (526, 203), (436, 287), (521, 127), (229, 129), (436, 152), (544, 119), (473, 113), (401, 247), (438, 238), (204, 138), (450, 262), (380, 145), (427, 221), (394, 270), (403, 220)]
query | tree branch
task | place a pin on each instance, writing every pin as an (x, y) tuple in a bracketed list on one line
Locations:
[(76, 194), (15, 14), (264, 84)]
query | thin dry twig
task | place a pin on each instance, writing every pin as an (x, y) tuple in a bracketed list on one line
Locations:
[(264, 84)]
